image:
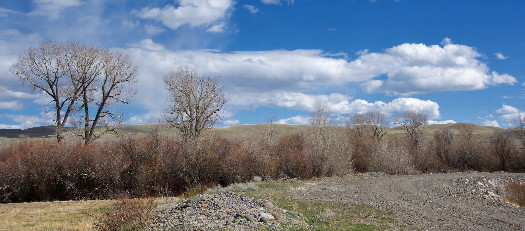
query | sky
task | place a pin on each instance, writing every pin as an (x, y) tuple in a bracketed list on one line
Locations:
[(453, 60)]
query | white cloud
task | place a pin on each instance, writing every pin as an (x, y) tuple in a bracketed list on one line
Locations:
[(418, 68), (441, 122), (148, 44), (11, 105), (52, 8), (216, 28), (277, 2), (337, 104), (296, 120), (153, 30), (500, 56), (492, 123), (506, 109), (252, 9), (230, 122), (192, 12), (6, 12), (410, 68), (509, 114), (502, 79), (148, 118), (29, 121)]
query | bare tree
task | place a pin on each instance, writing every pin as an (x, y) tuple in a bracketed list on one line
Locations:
[(371, 124), (44, 68), (413, 125), (195, 101), (519, 122), (320, 117), (117, 72), (76, 77)]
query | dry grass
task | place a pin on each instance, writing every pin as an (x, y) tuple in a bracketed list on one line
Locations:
[(515, 193), (59, 215)]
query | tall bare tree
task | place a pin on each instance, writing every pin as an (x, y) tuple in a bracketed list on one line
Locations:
[(77, 77), (45, 69), (117, 73), (413, 125), (195, 101)]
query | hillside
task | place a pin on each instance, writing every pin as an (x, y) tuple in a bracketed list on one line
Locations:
[(131, 130)]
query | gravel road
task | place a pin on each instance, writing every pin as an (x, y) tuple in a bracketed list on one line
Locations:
[(451, 201)]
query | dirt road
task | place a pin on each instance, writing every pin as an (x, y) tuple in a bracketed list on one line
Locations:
[(453, 201)]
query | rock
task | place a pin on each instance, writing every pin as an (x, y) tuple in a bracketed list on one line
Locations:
[(265, 217), (293, 213), (220, 211), (249, 218), (276, 215), (268, 205), (196, 199)]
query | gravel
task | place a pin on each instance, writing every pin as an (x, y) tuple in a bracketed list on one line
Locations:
[(225, 210), (452, 201)]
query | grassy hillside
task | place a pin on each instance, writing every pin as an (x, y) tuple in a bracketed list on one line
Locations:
[(133, 130)]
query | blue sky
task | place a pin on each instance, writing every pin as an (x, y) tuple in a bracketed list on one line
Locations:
[(456, 61)]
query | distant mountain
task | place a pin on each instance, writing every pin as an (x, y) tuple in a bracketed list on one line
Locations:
[(44, 131)]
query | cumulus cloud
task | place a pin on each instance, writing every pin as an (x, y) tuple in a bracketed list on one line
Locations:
[(493, 123), (52, 8), (25, 121), (441, 122), (252, 9), (148, 44), (417, 68), (506, 109), (191, 12), (509, 114), (337, 104), (500, 56), (230, 122), (296, 120), (147, 118)]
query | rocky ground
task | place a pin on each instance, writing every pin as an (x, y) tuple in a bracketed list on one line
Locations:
[(453, 201), (224, 210)]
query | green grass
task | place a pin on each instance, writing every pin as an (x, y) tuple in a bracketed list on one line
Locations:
[(323, 215)]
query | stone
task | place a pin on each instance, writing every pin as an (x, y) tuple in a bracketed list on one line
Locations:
[(293, 213), (268, 205), (265, 217)]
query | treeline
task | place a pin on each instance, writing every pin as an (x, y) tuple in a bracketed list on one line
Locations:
[(159, 165)]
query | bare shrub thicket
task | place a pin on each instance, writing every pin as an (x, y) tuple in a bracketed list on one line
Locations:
[(366, 132), (392, 157), (328, 144)]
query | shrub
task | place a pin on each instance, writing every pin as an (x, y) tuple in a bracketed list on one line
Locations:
[(127, 214), (392, 157)]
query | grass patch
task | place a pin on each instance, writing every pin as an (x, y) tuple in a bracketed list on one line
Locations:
[(323, 215), (59, 215)]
